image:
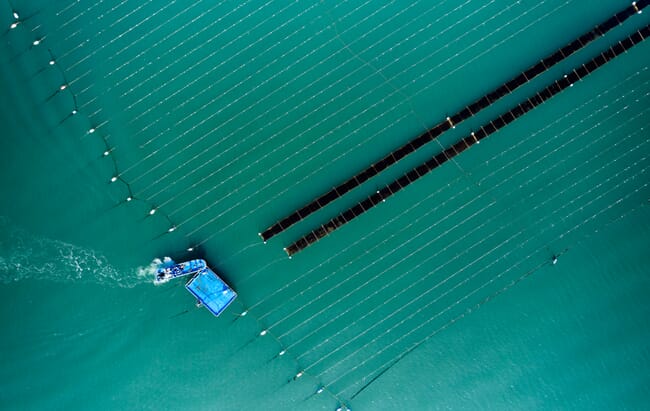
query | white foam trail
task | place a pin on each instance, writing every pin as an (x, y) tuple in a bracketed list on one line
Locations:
[(148, 273), (25, 256)]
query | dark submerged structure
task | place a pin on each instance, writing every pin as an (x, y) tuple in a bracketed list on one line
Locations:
[(475, 137), (450, 122)]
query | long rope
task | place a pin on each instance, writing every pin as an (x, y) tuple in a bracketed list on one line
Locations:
[(392, 282), (411, 331), (451, 121), (417, 205), (266, 202), (457, 210), (484, 131)]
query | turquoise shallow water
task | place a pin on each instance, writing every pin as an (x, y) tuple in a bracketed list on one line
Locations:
[(227, 116)]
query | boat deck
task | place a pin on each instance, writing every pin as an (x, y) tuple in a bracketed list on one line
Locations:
[(211, 291)]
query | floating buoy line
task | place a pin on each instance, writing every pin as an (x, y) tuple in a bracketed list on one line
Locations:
[(95, 130)]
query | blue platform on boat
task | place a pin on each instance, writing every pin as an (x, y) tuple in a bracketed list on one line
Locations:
[(211, 291)]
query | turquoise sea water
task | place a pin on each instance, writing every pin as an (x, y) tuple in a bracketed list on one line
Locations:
[(226, 116)]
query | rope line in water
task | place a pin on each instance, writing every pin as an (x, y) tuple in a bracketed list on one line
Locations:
[(390, 283), (305, 177), (465, 143), (129, 187), (95, 130), (415, 206), (590, 218), (224, 63), (599, 185), (260, 102), (152, 209), (118, 176), (308, 144), (105, 138), (411, 331), (349, 278), (295, 153), (302, 102), (557, 194), (238, 22), (383, 368), (248, 136), (464, 114), (592, 190), (512, 239)]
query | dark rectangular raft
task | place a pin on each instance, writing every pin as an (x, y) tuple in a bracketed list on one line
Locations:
[(452, 121), (474, 138)]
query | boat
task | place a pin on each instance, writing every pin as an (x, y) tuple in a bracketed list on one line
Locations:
[(166, 273), (205, 285)]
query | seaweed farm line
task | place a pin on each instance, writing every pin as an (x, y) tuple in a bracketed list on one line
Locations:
[(451, 121), (201, 119), (474, 138)]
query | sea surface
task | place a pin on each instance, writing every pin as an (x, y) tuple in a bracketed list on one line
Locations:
[(222, 117)]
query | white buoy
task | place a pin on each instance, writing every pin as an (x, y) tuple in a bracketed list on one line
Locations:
[(52, 62), (244, 313), (171, 229), (73, 112), (63, 87), (36, 42), (263, 333), (129, 198), (300, 374), (92, 130), (190, 249), (113, 179), (13, 25), (16, 15), (320, 390), (451, 123), (281, 353), (152, 211), (106, 153)]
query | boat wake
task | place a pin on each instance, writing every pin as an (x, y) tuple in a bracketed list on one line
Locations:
[(26, 256), (149, 272)]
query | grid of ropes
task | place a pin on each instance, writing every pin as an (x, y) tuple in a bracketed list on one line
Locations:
[(353, 343), (332, 346), (387, 234), (176, 168), (302, 177)]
